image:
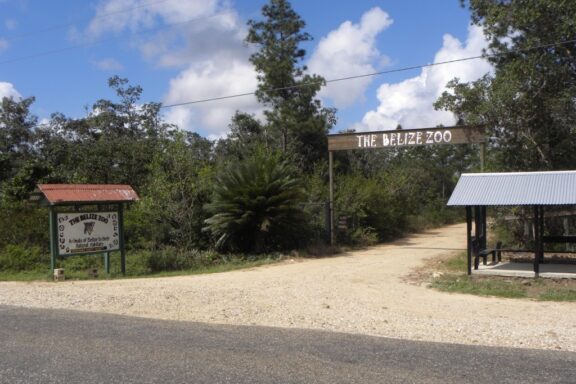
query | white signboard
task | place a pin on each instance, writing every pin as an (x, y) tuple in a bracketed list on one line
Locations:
[(87, 232)]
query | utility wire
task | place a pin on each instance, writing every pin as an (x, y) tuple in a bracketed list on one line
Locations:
[(60, 26), (403, 69), (92, 44)]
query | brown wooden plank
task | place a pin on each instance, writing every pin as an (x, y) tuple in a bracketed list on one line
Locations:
[(407, 138)]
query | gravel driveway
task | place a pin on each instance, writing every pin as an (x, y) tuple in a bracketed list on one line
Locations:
[(361, 292)]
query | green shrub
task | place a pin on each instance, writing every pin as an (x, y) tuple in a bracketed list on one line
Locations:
[(173, 259), (29, 229), (255, 207), (81, 263), (20, 258)]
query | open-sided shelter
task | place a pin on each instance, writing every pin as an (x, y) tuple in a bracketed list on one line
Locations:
[(538, 190)]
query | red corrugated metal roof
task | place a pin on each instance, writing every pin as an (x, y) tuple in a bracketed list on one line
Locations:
[(83, 193)]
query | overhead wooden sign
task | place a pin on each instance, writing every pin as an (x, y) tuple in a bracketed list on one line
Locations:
[(407, 138)]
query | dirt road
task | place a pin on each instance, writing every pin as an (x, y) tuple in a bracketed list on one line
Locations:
[(360, 292)]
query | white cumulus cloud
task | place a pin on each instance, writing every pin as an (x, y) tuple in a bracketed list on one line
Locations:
[(134, 15), (410, 102), (204, 39), (3, 45), (8, 90), (212, 80), (108, 64), (176, 32), (10, 24), (347, 51)]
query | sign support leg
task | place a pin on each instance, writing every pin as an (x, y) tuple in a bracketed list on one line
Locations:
[(53, 239), (107, 262), (121, 240), (331, 182), (469, 239)]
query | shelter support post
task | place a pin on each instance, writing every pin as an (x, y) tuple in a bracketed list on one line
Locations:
[(331, 182), (53, 239), (121, 238), (537, 240), (469, 238), (483, 221), (477, 223), (541, 251)]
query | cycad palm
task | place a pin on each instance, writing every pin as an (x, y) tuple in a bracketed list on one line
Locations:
[(255, 205)]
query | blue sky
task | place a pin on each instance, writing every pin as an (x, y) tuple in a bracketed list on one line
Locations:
[(62, 52)]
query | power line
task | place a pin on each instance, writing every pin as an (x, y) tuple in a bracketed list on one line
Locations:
[(84, 45), (60, 26), (403, 69)]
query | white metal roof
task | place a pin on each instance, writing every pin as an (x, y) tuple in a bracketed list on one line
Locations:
[(518, 188)]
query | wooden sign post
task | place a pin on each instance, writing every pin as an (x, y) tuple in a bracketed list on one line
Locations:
[(400, 138)]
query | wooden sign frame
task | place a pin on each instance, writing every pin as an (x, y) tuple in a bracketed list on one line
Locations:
[(407, 138)]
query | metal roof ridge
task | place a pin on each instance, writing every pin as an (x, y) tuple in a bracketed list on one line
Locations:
[(519, 173), (83, 186)]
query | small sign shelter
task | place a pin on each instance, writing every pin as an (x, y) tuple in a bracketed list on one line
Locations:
[(539, 190), (86, 219)]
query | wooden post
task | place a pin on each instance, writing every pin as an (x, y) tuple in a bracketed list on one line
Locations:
[(477, 224), (484, 240), (53, 239), (537, 241), (541, 260), (107, 262), (331, 182), (121, 238), (469, 238)]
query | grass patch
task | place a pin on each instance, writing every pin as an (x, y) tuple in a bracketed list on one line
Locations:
[(481, 287), (24, 275), (226, 267), (558, 295), (77, 269), (456, 264), (454, 279)]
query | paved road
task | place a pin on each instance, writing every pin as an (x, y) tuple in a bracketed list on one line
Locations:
[(48, 346)]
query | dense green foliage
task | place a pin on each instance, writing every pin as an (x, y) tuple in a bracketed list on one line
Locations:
[(264, 187), (529, 101)]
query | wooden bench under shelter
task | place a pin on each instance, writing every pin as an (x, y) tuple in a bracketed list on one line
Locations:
[(478, 253)]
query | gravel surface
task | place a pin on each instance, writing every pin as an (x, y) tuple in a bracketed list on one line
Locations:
[(363, 292)]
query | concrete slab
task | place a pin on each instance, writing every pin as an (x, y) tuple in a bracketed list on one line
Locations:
[(554, 271)]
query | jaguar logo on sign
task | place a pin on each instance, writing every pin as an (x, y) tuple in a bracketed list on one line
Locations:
[(89, 227)]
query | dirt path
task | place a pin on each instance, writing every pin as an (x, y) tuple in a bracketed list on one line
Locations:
[(360, 292)]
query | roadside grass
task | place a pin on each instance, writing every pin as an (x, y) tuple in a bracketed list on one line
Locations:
[(76, 274), (454, 279), (24, 275), (466, 284)]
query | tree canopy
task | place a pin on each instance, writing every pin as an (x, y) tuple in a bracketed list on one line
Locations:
[(296, 120), (529, 102)]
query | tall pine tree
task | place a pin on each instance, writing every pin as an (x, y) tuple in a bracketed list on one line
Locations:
[(296, 119)]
